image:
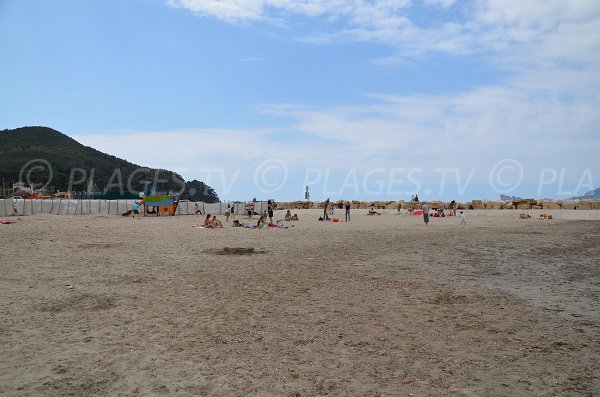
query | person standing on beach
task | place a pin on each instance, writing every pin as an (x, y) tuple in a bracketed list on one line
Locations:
[(348, 211), (270, 209), (425, 208), (227, 212), (197, 208), (326, 210), (463, 221), (232, 212), (136, 209)]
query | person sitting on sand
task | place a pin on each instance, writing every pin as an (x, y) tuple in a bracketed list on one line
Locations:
[(373, 212), (216, 223), (208, 222), (262, 222), (294, 218), (288, 215), (523, 215)]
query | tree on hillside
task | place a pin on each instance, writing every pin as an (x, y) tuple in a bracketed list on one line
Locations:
[(199, 191)]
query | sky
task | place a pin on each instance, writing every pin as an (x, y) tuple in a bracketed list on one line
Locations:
[(354, 99)]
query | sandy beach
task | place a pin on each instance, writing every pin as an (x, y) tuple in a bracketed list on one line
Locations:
[(380, 306)]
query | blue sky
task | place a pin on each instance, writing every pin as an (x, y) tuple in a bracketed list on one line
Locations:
[(355, 98)]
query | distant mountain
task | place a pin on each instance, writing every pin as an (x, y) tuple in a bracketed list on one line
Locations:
[(591, 195), (25, 154), (509, 198)]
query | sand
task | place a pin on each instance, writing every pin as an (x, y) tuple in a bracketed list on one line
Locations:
[(383, 305)]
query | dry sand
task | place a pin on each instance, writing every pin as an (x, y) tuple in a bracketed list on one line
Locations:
[(383, 305)]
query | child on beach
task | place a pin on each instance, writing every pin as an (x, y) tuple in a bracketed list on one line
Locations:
[(136, 209), (261, 224), (463, 221)]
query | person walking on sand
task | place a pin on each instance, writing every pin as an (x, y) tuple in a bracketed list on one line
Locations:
[(197, 208), (425, 208), (463, 221), (348, 211)]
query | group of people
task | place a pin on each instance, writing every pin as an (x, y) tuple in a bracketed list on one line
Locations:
[(290, 217), (212, 223), (328, 210), (440, 213), (264, 221)]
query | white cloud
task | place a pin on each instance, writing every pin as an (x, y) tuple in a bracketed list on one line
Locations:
[(479, 25)]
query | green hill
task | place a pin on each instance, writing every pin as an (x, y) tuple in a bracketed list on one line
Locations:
[(26, 152)]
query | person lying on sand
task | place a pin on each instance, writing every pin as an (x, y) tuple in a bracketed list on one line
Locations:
[(524, 216), (373, 212), (294, 218)]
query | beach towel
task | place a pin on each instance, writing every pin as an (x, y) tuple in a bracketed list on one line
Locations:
[(3, 222), (198, 227)]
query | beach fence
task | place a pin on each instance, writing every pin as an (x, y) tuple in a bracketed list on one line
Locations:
[(28, 207)]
